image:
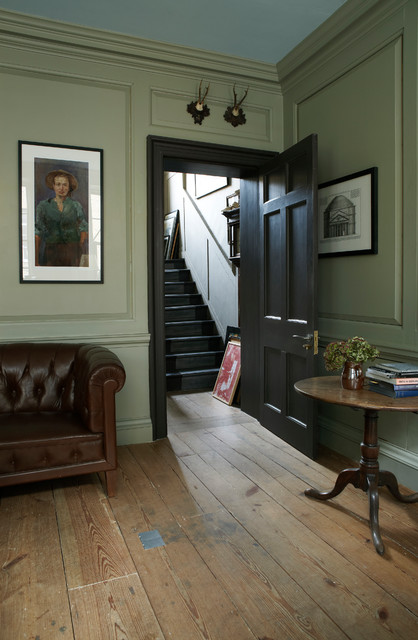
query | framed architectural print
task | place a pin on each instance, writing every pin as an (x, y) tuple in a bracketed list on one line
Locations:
[(347, 215), (61, 213)]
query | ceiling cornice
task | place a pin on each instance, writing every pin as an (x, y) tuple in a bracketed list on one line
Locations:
[(334, 35), (41, 35)]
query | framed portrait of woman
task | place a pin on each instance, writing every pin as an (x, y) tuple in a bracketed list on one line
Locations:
[(61, 213)]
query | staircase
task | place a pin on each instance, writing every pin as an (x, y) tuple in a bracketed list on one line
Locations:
[(194, 350)]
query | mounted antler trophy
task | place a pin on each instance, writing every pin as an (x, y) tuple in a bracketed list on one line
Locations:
[(198, 109), (235, 114)]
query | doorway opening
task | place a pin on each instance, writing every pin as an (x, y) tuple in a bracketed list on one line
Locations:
[(166, 154), (201, 281), (201, 294)]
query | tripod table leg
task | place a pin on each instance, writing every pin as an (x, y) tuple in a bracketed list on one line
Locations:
[(388, 479), (344, 478), (373, 494)]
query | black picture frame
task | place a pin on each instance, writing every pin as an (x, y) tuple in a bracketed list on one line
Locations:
[(232, 333), (67, 250), (347, 215), (171, 229)]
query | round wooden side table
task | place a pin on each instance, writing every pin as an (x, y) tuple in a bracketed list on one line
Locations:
[(367, 475)]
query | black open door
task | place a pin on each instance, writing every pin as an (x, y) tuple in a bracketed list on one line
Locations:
[(281, 252)]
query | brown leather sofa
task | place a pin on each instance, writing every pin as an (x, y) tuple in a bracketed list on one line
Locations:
[(57, 411)]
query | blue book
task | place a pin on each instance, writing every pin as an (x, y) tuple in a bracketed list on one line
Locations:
[(393, 393), (389, 384)]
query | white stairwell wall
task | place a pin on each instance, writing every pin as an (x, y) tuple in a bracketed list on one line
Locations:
[(204, 245)]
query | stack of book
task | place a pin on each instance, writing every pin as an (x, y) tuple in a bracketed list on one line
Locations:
[(394, 379)]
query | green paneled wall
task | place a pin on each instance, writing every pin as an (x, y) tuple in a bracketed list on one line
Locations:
[(356, 88)]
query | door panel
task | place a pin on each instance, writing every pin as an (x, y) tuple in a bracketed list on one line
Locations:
[(297, 273), (273, 289), (288, 292)]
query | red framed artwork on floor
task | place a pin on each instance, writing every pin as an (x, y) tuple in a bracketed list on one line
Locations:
[(229, 373)]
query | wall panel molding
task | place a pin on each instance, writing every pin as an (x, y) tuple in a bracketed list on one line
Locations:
[(378, 81), (29, 95), (61, 75), (129, 340), (168, 109)]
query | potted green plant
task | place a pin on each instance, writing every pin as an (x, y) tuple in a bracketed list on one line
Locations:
[(349, 355)]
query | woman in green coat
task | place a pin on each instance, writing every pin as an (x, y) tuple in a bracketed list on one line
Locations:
[(61, 227)]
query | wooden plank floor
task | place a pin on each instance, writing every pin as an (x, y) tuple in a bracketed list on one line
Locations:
[(245, 554)]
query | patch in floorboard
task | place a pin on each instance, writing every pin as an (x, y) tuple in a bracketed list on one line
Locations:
[(151, 539)]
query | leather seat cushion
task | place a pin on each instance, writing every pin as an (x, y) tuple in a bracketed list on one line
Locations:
[(31, 441)]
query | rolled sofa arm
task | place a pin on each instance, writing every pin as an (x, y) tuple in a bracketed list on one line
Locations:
[(98, 376)]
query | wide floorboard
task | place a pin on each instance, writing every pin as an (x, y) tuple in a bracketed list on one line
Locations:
[(210, 537)]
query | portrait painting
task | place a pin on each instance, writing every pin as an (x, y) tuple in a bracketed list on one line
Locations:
[(60, 213)]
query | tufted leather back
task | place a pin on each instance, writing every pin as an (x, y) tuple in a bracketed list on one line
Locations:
[(37, 377)]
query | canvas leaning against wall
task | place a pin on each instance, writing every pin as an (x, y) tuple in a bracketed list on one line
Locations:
[(229, 372), (61, 213)]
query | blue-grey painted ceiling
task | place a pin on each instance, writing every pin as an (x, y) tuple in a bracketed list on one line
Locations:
[(264, 30)]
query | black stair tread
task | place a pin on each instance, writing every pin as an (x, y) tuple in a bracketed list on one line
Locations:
[(173, 300), (180, 286), (212, 336), (180, 344), (187, 374), (178, 307), (182, 314), (189, 328), (189, 322), (177, 333), (191, 380), (172, 304), (175, 263), (179, 281), (176, 295), (200, 381), (194, 353), (187, 312), (177, 274), (197, 360), (200, 337), (171, 296)]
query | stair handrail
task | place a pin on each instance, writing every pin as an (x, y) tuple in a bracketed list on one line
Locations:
[(214, 238)]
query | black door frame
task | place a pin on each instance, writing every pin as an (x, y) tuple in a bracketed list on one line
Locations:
[(171, 154)]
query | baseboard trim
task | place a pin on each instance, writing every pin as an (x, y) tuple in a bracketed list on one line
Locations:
[(134, 431)]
